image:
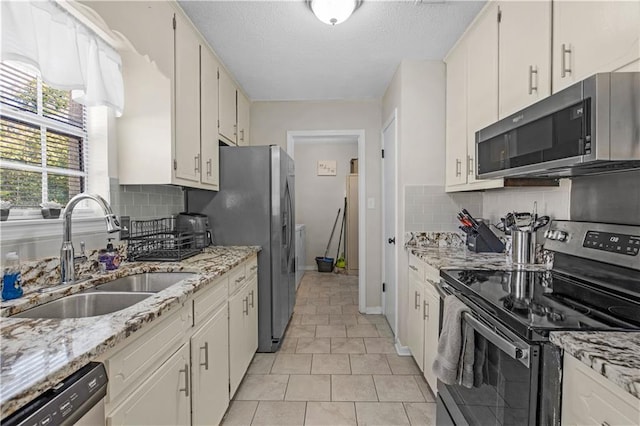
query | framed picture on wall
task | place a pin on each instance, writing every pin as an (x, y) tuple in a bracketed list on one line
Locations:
[(327, 167)]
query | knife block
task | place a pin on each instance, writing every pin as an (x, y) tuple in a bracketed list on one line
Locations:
[(484, 241)]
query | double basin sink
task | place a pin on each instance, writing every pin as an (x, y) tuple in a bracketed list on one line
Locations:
[(107, 298)]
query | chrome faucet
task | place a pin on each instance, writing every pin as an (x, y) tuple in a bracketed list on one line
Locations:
[(67, 255)]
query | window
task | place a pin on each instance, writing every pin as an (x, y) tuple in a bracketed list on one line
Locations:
[(43, 141)]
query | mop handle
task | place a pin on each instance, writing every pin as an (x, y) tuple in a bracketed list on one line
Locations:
[(332, 232)]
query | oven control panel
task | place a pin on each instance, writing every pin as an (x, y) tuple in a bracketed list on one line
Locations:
[(611, 242)]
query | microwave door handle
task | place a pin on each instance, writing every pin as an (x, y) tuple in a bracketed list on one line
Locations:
[(515, 352)]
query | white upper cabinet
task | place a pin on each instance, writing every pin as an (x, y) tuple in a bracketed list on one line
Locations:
[(592, 37), (482, 81), (227, 112), (525, 54), (456, 120), (244, 107), (187, 102), (210, 173)]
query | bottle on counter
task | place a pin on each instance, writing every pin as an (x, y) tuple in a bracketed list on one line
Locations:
[(11, 279), (109, 257)]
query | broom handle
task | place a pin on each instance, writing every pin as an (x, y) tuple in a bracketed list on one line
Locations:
[(332, 232), (344, 217)]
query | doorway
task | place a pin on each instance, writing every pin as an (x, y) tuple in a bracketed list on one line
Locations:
[(296, 138), (390, 236)]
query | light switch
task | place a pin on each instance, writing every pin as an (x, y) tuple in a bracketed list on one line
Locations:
[(371, 203)]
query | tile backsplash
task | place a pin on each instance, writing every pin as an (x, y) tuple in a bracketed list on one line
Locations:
[(146, 201), (429, 208)]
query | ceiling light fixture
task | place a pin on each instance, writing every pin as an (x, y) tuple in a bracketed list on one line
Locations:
[(333, 12)]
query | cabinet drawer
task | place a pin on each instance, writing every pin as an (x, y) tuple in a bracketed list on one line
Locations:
[(237, 277), (209, 299), (251, 267), (589, 398), (132, 364), (417, 266), (431, 274)]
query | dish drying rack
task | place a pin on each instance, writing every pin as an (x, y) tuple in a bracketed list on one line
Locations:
[(158, 240)]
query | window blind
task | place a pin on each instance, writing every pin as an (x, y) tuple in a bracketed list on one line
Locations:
[(43, 147)]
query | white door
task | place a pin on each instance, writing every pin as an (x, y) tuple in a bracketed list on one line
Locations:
[(389, 222)]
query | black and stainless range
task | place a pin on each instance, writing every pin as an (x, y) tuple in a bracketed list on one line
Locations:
[(594, 285)]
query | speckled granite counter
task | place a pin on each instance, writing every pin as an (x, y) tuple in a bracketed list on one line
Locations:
[(461, 257), (37, 353), (612, 354)]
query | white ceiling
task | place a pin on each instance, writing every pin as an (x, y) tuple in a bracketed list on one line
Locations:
[(278, 50)]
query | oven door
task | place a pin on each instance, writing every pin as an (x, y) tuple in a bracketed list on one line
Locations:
[(508, 388)]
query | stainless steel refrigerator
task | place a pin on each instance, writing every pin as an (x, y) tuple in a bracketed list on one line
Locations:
[(255, 206)]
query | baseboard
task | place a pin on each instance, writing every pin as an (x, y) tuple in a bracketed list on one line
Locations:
[(402, 350), (374, 310)]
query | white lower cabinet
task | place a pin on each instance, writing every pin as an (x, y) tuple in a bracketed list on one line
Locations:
[(243, 331), (163, 399), (588, 398), (181, 369), (210, 369), (415, 322)]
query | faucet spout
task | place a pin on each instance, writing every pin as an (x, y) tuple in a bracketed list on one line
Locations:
[(67, 255)]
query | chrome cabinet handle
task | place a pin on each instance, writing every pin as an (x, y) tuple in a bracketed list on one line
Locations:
[(564, 69), (458, 167), (235, 130), (185, 370), (242, 135), (533, 71), (253, 268), (240, 279), (413, 267), (197, 163), (470, 165), (251, 294), (416, 304), (425, 310), (205, 364), (245, 306), (209, 166), (605, 424)]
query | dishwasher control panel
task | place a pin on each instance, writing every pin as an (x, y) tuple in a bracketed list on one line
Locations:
[(66, 402)]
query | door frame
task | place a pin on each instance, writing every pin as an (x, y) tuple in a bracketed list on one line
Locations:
[(393, 118), (312, 136)]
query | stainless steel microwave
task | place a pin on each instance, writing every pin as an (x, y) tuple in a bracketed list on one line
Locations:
[(590, 127)]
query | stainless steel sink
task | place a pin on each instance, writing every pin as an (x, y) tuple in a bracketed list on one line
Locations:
[(88, 304), (151, 282)]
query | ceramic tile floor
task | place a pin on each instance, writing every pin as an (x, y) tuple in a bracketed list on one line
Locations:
[(335, 367)]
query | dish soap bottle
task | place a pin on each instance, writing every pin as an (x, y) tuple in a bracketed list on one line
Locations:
[(113, 255), (11, 280)]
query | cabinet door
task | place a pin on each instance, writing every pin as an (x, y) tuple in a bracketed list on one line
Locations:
[(592, 37), (244, 108), (432, 320), (482, 81), (227, 113), (187, 102), (163, 399), (238, 310), (525, 54), (252, 320), (210, 173), (415, 322), (456, 120), (210, 370)]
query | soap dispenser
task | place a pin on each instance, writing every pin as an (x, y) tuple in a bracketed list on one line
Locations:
[(11, 279)]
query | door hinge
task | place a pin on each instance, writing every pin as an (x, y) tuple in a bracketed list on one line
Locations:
[(383, 153), (499, 15), (174, 22), (175, 164), (384, 287)]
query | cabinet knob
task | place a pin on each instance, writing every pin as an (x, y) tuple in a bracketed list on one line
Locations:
[(392, 240)]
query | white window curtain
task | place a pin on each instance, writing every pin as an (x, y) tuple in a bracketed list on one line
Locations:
[(67, 53)]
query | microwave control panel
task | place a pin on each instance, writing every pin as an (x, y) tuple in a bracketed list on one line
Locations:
[(615, 243)]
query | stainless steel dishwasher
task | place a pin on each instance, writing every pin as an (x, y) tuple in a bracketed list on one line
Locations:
[(77, 400)]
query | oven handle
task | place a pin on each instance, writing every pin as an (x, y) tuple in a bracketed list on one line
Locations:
[(515, 352)]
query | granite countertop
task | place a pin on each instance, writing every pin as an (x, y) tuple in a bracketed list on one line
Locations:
[(612, 354), (37, 353)]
